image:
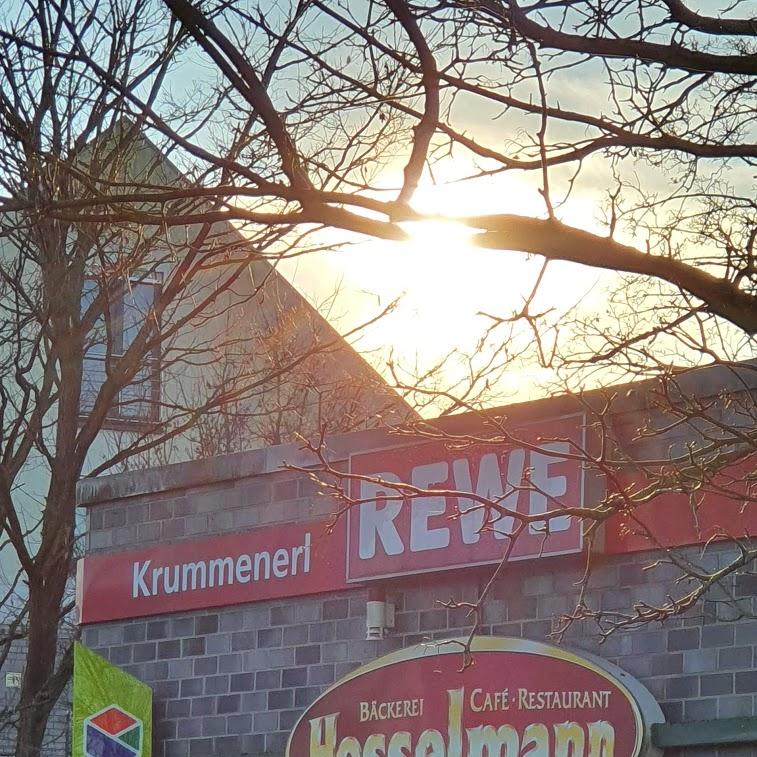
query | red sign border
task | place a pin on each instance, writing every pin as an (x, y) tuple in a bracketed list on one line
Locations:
[(362, 580), (645, 707), (89, 562)]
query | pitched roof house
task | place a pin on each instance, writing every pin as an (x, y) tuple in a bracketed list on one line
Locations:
[(244, 359), (186, 342)]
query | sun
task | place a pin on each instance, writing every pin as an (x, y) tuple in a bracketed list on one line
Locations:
[(445, 285)]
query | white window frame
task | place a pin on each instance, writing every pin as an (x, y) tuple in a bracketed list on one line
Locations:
[(116, 418)]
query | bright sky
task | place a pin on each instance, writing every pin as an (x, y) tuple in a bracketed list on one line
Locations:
[(444, 283)]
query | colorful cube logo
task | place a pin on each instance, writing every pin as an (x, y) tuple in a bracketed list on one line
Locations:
[(112, 732)]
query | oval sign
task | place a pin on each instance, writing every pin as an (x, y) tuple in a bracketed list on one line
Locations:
[(517, 699)]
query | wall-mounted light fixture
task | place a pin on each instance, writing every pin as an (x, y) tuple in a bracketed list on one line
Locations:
[(379, 615)]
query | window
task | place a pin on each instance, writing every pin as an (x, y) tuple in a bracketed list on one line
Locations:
[(108, 341)]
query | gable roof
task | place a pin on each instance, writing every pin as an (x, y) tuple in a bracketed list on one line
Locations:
[(282, 307)]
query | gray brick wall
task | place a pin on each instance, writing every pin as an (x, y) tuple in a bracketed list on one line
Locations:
[(57, 737), (233, 681)]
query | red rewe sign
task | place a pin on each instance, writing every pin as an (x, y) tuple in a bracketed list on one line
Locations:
[(389, 536), (720, 509), (286, 560), (518, 698)]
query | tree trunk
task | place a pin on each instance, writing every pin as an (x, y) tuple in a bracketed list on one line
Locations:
[(42, 683)]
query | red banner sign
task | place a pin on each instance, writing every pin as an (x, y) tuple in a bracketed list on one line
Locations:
[(390, 535), (722, 507), (517, 698), (273, 562), (385, 537)]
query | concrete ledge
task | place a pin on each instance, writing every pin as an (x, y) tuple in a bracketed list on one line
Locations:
[(213, 470), (705, 733), (698, 382)]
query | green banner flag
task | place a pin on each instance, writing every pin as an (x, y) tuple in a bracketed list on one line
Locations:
[(112, 710)]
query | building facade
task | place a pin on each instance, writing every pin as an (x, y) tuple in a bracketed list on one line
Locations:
[(58, 735), (235, 358), (234, 667)]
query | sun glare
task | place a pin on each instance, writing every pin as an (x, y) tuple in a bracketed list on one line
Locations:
[(444, 282)]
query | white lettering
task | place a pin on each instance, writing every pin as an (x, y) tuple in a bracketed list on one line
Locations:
[(138, 585), (173, 587), (569, 739), (473, 515), (217, 567), (399, 744), (548, 488), (243, 569), (475, 707), (193, 569), (375, 521), (422, 508), (536, 739), (430, 740), (601, 739), (516, 466), (281, 563), (349, 747), (323, 736), (148, 581), (262, 557), (536, 734), (156, 574), (493, 740), (306, 546), (375, 745), (296, 552), (455, 722)]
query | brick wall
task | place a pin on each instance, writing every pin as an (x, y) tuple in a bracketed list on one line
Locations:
[(233, 681), (57, 737)]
